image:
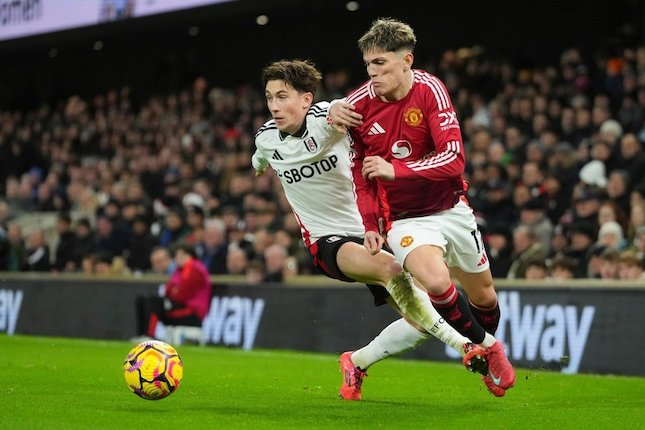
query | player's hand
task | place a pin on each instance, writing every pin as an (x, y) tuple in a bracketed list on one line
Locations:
[(344, 114), (376, 167), (373, 242)]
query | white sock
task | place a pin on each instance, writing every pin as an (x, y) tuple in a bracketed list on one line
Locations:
[(396, 338), (416, 305), (441, 329), (489, 340)]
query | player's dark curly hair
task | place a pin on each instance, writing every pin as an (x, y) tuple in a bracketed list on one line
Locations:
[(299, 74)]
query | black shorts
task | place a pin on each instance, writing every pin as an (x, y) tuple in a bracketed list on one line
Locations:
[(324, 253)]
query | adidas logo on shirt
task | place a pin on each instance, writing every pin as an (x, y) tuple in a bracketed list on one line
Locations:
[(277, 156), (376, 129)]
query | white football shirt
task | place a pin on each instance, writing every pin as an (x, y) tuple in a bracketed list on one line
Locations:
[(314, 166)]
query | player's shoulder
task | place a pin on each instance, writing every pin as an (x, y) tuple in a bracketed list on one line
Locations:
[(318, 110), (428, 79), (430, 86), (268, 129), (362, 94)]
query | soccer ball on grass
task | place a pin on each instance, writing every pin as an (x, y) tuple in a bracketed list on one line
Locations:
[(153, 370)]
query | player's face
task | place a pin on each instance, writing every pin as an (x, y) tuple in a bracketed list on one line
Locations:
[(287, 106), (389, 72)]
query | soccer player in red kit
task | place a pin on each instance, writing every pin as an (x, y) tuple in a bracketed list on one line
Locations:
[(409, 158)]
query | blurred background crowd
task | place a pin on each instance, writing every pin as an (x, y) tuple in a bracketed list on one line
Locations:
[(108, 183)]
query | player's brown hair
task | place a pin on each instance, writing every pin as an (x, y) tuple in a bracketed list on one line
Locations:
[(388, 35), (299, 74)]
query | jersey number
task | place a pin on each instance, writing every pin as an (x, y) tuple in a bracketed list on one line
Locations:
[(474, 233)]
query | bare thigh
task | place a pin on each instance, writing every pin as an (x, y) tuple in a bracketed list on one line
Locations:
[(355, 261)]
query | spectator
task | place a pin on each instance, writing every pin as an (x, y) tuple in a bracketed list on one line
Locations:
[(594, 261), (102, 263), (618, 189), (638, 244), (535, 270), (254, 272), (609, 264), (582, 238), (611, 236), (85, 240), (110, 239), (559, 241), (4, 248), (37, 252), (632, 159), (562, 269), (161, 261), (630, 266), (610, 211), (174, 228), (66, 250), (213, 248), (533, 214), (499, 246), (195, 224), (275, 257), (636, 218), (526, 248), (16, 256), (141, 244), (585, 210), (236, 261), (187, 295)]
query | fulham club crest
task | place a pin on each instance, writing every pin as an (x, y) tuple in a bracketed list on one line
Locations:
[(310, 144)]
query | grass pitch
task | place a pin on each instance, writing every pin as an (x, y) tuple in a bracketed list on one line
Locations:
[(54, 383)]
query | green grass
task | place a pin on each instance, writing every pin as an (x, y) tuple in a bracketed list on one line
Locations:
[(54, 383)]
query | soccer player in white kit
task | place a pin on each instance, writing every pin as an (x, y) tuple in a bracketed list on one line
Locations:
[(312, 158), (409, 161)]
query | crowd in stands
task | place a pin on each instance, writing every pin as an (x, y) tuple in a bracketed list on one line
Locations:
[(555, 166)]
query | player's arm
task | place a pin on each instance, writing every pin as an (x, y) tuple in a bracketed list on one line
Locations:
[(344, 114), (259, 162), (449, 160), (333, 132), (366, 199)]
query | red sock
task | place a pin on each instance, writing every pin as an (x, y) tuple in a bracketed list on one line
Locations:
[(453, 307), (488, 318)]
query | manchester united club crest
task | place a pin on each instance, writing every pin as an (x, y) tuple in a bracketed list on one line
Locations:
[(310, 144), (413, 116), (406, 241)]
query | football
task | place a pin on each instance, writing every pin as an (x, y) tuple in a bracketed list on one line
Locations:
[(153, 370)]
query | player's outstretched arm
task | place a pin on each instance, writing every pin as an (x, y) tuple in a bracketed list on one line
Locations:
[(344, 114)]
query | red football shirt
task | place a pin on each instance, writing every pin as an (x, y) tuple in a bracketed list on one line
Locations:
[(420, 136)]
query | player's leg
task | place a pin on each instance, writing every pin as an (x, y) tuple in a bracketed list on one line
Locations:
[(404, 334), (347, 259), (357, 263), (482, 296), (420, 244), (425, 263), (469, 263)]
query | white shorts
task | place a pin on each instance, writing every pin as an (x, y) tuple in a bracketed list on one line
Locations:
[(453, 230)]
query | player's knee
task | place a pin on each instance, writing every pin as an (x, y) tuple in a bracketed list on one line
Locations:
[(390, 269), (433, 281)]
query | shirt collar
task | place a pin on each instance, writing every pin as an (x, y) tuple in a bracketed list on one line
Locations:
[(299, 134)]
